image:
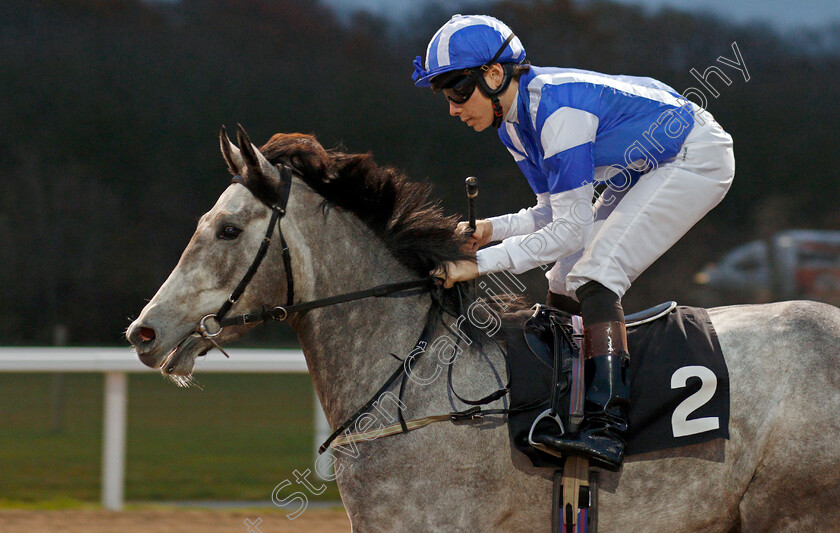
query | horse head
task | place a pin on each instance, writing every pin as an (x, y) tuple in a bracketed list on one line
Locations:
[(384, 229), (166, 333)]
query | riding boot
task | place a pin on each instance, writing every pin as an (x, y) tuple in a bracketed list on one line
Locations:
[(563, 303), (603, 433), (605, 427)]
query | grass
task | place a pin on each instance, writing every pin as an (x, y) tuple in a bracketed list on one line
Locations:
[(235, 440)]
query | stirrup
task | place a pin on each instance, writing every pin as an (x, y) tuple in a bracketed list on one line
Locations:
[(545, 414)]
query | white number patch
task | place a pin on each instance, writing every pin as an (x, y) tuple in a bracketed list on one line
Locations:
[(679, 421)]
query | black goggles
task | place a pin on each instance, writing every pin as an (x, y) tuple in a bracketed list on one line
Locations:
[(460, 89)]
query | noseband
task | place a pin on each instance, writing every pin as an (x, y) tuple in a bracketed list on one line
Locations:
[(282, 312)]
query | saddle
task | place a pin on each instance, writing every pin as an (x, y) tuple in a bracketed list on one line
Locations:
[(539, 337), (662, 339)]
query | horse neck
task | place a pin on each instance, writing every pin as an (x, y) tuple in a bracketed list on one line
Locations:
[(347, 346)]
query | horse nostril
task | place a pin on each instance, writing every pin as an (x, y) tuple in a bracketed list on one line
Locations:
[(147, 334)]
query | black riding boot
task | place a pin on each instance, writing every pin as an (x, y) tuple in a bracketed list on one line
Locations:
[(605, 427), (603, 433)]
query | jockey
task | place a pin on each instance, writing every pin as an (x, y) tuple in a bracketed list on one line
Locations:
[(621, 166)]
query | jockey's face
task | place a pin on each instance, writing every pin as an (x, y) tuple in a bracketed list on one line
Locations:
[(477, 111)]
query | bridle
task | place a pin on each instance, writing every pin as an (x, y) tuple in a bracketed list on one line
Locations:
[(281, 312)]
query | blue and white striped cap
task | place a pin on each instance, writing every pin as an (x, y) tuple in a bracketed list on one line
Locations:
[(466, 41)]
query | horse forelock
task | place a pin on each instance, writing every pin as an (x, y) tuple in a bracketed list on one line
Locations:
[(398, 210)]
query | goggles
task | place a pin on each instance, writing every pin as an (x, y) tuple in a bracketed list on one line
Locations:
[(457, 87), (460, 91)]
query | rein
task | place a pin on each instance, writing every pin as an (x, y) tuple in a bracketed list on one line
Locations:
[(343, 435), (281, 312)]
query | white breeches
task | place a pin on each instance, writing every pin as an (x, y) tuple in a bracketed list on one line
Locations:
[(643, 222)]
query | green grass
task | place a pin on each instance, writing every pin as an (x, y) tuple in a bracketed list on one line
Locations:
[(235, 440)]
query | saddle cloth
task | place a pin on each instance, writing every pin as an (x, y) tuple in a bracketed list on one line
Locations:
[(679, 382)]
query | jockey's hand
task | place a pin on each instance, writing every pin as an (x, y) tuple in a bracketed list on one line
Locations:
[(481, 236), (455, 271)]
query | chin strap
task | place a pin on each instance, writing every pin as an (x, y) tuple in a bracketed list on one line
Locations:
[(498, 112), (493, 94)]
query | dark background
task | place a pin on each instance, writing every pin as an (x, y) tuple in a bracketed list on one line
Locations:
[(110, 112)]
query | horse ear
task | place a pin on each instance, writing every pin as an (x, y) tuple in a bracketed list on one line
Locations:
[(233, 158), (254, 159), (261, 177)]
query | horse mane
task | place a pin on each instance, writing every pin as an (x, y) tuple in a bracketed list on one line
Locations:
[(401, 212)]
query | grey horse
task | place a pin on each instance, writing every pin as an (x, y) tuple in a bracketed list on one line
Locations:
[(351, 225)]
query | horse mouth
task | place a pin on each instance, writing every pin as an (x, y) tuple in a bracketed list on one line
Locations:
[(178, 365)]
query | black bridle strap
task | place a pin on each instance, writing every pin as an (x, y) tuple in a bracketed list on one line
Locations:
[(398, 373), (281, 312), (255, 264), (287, 265), (278, 211)]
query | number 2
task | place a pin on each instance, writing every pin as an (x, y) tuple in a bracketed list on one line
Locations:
[(679, 420)]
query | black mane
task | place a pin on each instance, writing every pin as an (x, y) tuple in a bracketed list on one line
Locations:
[(399, 211)]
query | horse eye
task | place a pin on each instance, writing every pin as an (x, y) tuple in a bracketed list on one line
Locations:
[(229, 233)]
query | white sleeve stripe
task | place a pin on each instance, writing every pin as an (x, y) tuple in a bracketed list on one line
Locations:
[(525, 221), (493, 259), (569, 229), (566, 128), (605, 172), (562, 202), (516, 155)]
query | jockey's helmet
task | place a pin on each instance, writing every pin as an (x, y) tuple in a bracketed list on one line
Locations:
[(465, 47)]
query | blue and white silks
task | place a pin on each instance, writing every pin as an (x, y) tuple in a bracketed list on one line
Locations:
[(568, 129)]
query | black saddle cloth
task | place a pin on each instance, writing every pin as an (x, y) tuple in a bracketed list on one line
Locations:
[(679, 383)]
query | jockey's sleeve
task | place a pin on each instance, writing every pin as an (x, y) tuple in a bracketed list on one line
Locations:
[(567, 137), (563, 236), (526, 220), (523, 222)]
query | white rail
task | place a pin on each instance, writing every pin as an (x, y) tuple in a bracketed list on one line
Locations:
[(116, 363)]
